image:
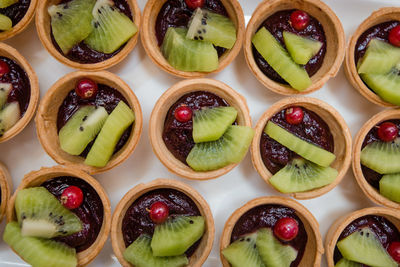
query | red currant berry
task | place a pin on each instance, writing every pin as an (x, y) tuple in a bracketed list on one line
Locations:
[(4, 68), (159, 212), (72, 197), (183, 113), (387, 131), (394, 251), (86, 88), (394, 36), (299, 20), (286, 229), (294, 115), (193, 4)]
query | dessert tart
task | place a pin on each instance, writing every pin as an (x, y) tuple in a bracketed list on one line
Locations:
[(90, 120), (294, 47), (94, 43), (19, 92), (15, 16), (206, 35), (5, 189), (166, 218), (378, 37), (63, 214), (301, 147), (367, 237), (200, 129), (375, 158), (274, 231)]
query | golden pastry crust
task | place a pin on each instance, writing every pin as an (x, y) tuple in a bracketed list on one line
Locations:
[(6, 187)]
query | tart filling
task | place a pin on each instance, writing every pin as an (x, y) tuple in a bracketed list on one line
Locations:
[(12, 12)]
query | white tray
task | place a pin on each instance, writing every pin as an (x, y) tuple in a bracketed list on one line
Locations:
[(24, 153)]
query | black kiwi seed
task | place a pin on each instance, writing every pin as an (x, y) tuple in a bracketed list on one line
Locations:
[(367, 234), (99, 10), (361, 233), (1, 89), (191, 222), (196, 38), (81, 129), (199, 32), (201, 37), (84, 118), (248, 239), (59, 14), (241, 240), (204, 30), (254, 246)]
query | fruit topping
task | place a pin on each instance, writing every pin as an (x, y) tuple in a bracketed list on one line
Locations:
[(300, 48), (286, 229), (294, 115), (387, 131), (7, 3), (86, 88), (394, 36), (72, 197), (209, 124), (193, 4), (5, 89), (159, 212), (299, 20), (389, 186), (382, 157), (243, 252), (9, 116), (5, 23), (386, 86), (394, 251), (4, 68), (183, 113), (346, 263), (177, 235)]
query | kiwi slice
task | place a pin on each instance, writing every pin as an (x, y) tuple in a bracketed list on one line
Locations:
[(115, 125), (389, 186), (81, 129), (40, 214), (273, 253), (305, 149), (382, 157), (386, 86), (39, 252), (5, 89), (71, 22), (9, 116), (139, 254), (7, 3), (211, 27), (346, 263), (279, 59), (5, 23), (111, 28), (210, 124), (176, 235), (363, 246), (188, 55), (243, 252), (300, 48), (230, 148)]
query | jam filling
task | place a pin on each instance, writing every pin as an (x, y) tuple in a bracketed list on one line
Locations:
[(16, 11)]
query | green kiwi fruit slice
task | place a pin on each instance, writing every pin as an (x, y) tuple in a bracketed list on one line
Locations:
[(382, 157), (9, 116), (389, 186), (279, 59), (39, 252), (139, 254), (5, 23), (211, 27), (243, 252), (363, 246), (209, 124), (386, 86), (5, 89), (305, 149), (346, 263), (300, 48), (7, 3), (176, 235)]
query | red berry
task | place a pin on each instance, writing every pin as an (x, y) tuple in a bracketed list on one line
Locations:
[(394, 251), (294, 115), (286, 229), (193, 4), (86, 88), (387, 131), (159, 212), (72, 197), (299, 20), (394, 36), (183, 113), (4, 68)]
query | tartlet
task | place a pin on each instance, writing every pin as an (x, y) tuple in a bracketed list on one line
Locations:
[(6, 188), (36, 178), (149, 39), (335, 42), (337, 126), (47, 116), (162, 107), (204, 248), (44, 31), (314, 247)]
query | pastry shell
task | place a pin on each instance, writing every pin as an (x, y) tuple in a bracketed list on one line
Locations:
[(350, 67), (6, 188), (36, 178), (43, 27), (369, 190), (162, 107), (335, 42), (337, 125), (205, 246), (314, 247), (340, 224), (150, 43), (46, 119), (11, 53)]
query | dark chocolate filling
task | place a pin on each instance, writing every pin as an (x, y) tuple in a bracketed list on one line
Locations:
[(16, 11)]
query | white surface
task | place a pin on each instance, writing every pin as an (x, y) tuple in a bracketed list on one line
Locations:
[(24, 153)]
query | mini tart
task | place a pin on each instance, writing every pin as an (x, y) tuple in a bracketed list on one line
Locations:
[(335, 42), (340, 224), (43, 27), (36, 178), (11, 53), (314, 248), (150, 44), (337, 125), (6, 189), (46, 119), (117, 240), (169, 98), (350, 67), (369, 190)]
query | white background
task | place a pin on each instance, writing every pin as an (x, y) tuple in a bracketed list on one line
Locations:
[(24, 153)]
